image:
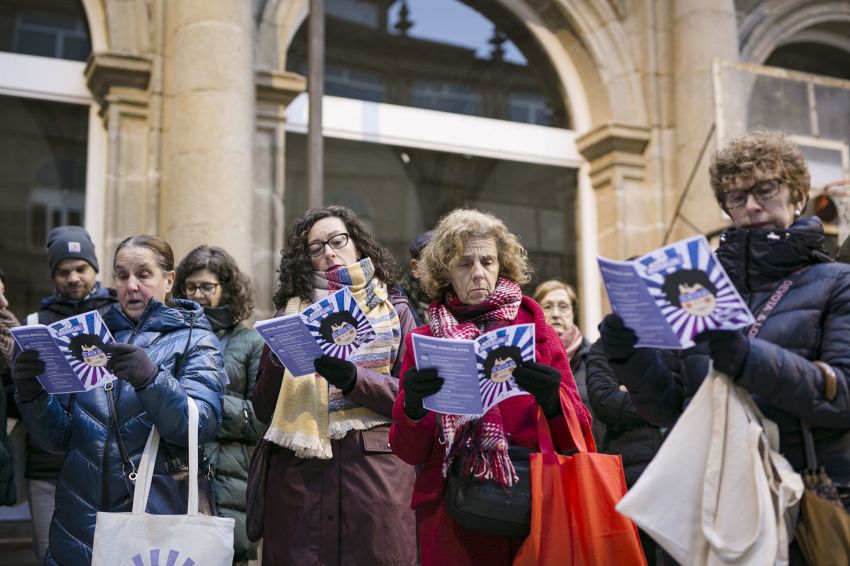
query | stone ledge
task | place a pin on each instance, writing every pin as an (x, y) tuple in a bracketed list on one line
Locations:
[(278, 87), (105, 71), (612, 137)]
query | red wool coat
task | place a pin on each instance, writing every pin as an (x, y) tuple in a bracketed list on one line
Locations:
[(442, 541)]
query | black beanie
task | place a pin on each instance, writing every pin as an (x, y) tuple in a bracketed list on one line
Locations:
[(70, 242)]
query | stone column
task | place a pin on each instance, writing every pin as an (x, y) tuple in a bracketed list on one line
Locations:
[(206, 195), (702, 31)]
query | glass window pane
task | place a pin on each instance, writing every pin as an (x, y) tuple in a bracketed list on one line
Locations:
[(43, 167), (471, 57), (400, 192), (779, 104), (46, 28)]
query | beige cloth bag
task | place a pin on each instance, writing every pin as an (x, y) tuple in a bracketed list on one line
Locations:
[(142, 539), (718, 491)]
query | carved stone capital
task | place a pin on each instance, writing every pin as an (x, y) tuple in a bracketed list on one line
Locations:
[(278, 87), (118, 74), (613, 138)]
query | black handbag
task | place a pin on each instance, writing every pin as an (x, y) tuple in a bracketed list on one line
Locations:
[(490, 508), (255, 493)]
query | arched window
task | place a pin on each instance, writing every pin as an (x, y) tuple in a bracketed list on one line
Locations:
[(436, 104)]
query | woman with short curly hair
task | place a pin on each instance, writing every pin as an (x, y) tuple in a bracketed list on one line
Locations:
[(210, 276), (335, 493), (472, 268)]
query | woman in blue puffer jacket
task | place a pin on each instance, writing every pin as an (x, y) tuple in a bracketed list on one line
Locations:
[(164, 353)]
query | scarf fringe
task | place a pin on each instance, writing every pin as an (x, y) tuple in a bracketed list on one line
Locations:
[(304, 445), (338, 429)]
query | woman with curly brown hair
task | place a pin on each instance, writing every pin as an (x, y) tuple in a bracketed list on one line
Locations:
[(210, 277), (335, 493), (472, 269)]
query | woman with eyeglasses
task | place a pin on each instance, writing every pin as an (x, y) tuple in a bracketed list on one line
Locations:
[(335, 493), (797, 367), (210, 277)]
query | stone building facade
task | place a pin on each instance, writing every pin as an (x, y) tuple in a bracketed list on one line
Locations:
[(193, 110)]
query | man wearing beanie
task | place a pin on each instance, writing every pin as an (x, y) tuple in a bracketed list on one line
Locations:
[(74, 268)]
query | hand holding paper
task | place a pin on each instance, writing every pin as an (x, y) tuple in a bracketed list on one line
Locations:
[(131, 364), (543, 382), (27, 367), (728, 349), (618, 340), (339, 373), (417, 385)]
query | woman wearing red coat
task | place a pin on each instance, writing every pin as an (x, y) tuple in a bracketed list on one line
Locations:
[(473, 267)]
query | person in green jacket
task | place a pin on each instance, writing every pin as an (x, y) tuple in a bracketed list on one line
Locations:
[(210, 276)]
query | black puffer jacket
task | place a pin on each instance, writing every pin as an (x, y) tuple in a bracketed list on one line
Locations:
[(626, 432), (811, 322)]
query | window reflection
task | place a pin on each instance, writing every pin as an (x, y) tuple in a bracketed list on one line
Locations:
[(400, 192), (47, 28), (469, 57), (43, 167)]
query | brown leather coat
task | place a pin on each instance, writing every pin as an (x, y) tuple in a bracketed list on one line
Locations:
[(353, 509)]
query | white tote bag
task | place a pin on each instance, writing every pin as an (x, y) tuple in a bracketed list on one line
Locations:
[(141, 539), (718, 491)]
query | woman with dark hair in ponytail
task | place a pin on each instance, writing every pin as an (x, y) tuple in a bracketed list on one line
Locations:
[(165, 352)]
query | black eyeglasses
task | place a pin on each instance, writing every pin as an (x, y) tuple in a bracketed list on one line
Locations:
[(335, 242), (762, 190), (205, 288)]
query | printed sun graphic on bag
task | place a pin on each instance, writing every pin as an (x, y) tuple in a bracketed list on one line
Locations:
[(498, 358), (688, 285), (82, 341), (341, 333), (173, 558)]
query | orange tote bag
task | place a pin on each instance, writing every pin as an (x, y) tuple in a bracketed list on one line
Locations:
[(573, 520)]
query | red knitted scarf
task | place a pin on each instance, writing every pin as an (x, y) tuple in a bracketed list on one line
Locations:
[(480, 442)]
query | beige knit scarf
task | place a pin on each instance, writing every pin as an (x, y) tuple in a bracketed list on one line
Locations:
[(308, 414)]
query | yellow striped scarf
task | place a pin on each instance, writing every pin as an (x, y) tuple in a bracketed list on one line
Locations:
[(308, 414)]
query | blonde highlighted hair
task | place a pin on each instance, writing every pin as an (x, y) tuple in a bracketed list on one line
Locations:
[(456, 228)]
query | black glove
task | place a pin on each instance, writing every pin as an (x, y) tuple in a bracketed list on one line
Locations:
[(543, 382), (26, 368), (131, 364), (339, 373), (728, 349), (618, 340), (417, 385)]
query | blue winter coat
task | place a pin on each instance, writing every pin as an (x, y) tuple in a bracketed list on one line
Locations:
[(92, 477), (811, 322)]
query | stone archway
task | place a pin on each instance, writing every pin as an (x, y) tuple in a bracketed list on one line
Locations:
[(774, 23)]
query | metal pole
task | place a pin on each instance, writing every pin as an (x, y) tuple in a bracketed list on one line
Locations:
[(316, 90)]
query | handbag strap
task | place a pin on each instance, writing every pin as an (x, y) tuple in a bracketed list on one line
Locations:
[(148, 462), (764, 312), (544, 435), (770, 304)]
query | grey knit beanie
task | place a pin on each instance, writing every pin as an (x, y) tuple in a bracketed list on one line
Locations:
[(70, 242)]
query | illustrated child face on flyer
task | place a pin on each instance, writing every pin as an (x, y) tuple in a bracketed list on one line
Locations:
[(339, 328), (692, 291), (501, 363), (88, 348)]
